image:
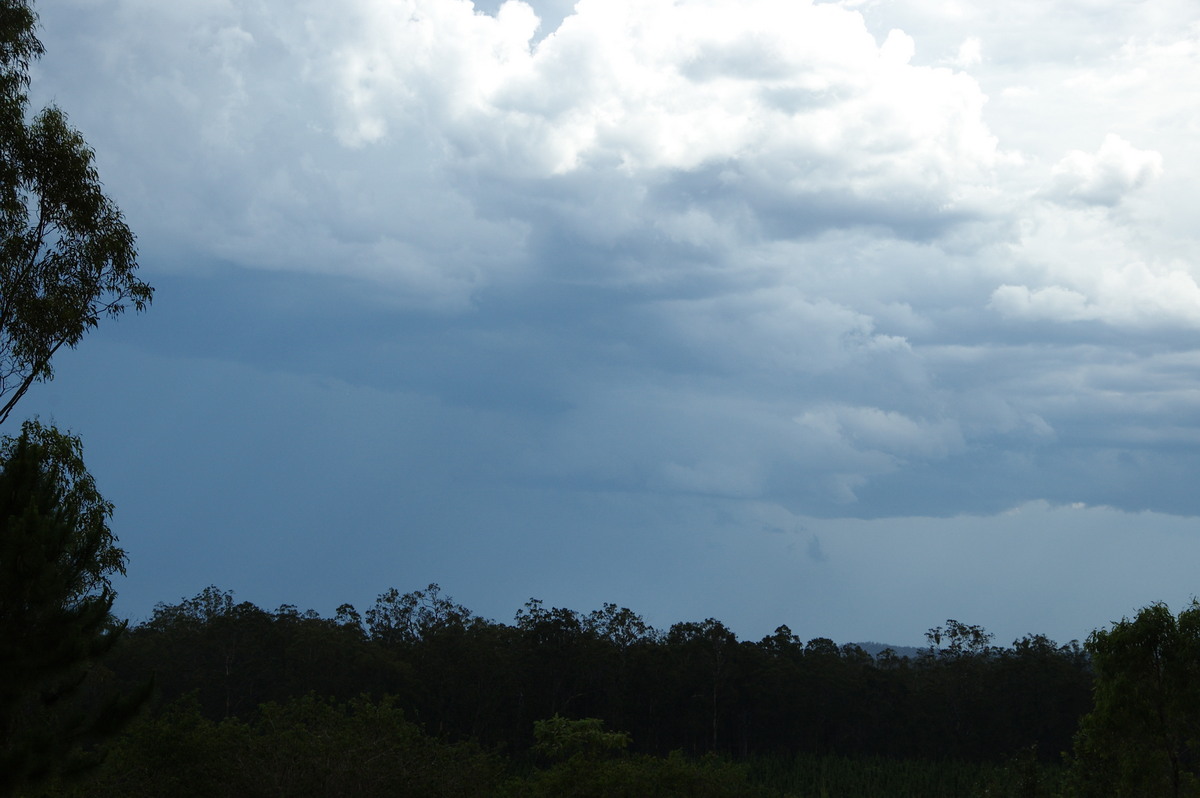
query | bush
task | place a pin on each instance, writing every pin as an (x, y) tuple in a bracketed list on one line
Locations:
[(303, 747)]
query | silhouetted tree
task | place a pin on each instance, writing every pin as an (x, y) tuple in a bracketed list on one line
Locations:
[(1142, 737), (57, 556), (67, 257)]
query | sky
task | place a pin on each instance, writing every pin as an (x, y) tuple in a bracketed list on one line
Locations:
[(851, 316)]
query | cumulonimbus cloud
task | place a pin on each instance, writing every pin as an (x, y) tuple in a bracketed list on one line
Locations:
[(753, 212), (789, 98)]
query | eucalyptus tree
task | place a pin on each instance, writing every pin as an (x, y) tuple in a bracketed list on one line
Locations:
[(67, 258), (1142, 736)]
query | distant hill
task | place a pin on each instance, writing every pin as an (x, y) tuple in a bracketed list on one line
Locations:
[(874, 649)]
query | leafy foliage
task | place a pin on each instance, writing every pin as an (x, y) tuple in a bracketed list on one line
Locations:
[(673, 776), (589, 761), (410, 618), (833, 776), (1143, 735), (560, 738), (62, 473), (67, 258), (57, 555), (305, 746)]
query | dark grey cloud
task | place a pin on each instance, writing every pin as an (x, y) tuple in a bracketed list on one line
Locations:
[(584, 310)]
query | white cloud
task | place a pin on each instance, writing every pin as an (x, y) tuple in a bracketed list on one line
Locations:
[(1134, 295), (888, 431), (1054, 302), (790, 100), (1103, 178), (1079, 263), (291, 116), (970, 53)]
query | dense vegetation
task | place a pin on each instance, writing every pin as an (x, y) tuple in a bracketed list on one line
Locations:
[(694, 687), (240, 688)]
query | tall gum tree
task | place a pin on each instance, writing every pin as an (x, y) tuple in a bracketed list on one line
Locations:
[(1142, 736), (67, 258)]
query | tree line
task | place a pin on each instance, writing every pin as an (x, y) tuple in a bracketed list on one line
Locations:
[(600, 698), (694, 687)]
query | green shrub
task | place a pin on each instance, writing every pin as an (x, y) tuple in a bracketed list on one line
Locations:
[(303, 747)]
